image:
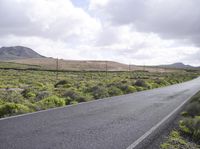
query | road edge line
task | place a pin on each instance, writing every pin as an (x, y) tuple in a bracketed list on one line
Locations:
[(155, 127)]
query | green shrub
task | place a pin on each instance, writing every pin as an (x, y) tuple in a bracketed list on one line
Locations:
[(124, 81), (139, 88), (99, 92), (161, 82), (155, 85), (33, 107), (77, 86), (123, 87), (175, 141), (60, 83), (1, 102), (114, 91), (196, 98), (41, 95), (184, 113), (149, 85), (193, 109), (28, 93), (31, 95), (40, 85), (73, 102), (141, 83), (51, 102), (191, 127), (11, 96), (84, 97), (8, 109), (73, 94), (131, 89)]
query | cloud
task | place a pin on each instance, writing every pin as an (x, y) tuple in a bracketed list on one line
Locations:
[(136, 31), (54, 19), (172, 19)]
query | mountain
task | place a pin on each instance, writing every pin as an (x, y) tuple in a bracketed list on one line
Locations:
[(178, 66), (31, 59), (18, 52)]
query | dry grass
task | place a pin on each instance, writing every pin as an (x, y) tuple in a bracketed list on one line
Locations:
[(50, 63)]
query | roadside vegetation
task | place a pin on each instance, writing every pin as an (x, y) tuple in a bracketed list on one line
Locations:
[(187, 136), (23, 91)]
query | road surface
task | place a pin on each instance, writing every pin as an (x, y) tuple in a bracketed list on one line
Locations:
[(112, 123)]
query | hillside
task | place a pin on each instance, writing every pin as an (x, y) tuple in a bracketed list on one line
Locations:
[(18, 52), (24, 57), (86, 65), (178, 66), (51, 63)]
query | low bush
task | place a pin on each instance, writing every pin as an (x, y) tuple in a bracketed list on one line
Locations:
[(193, 109), (98, 92), (8, 109), (73, 102), (175, 141), (114, 91), (131, 89), (196, 98), (11, 96), (39, 85), (139, 88), (85, 97), (41, 95), (76, 87), (51, 102), (60, 83), (74, 95), (141, 83), (1, 102), (71, 94), (28, 93), (155, 85), (161, 82), (191, 127)]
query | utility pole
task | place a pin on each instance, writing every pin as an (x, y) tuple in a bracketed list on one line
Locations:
[(57, 69), (129, 69), (144, 67), (106, 69), (106, 62)]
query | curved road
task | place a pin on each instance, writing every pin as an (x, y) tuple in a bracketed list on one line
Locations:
[(113, 123)]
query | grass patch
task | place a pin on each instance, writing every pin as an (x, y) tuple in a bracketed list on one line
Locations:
[(188, 134), (176, 141), (42, 90)]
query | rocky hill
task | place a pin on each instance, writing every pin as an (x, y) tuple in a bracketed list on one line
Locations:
[(18, 52)]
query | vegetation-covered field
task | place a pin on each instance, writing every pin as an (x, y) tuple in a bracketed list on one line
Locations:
[(23, 91), (187, 136)]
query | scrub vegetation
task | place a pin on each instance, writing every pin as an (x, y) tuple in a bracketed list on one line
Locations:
[(23, 91), (187, 136)]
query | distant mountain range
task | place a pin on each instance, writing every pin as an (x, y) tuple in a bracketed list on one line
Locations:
[(24, 55), (178, 66), (18, 52)]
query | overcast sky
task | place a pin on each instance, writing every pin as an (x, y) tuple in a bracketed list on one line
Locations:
[(145, 32)]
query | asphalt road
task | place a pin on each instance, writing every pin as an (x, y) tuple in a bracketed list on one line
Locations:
[(112, 123)]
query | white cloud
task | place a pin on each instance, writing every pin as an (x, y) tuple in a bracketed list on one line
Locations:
[(96, 4), (55, 19), (107, 29)]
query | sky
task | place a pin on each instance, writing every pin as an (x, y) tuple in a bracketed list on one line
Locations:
[(142, 32)]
